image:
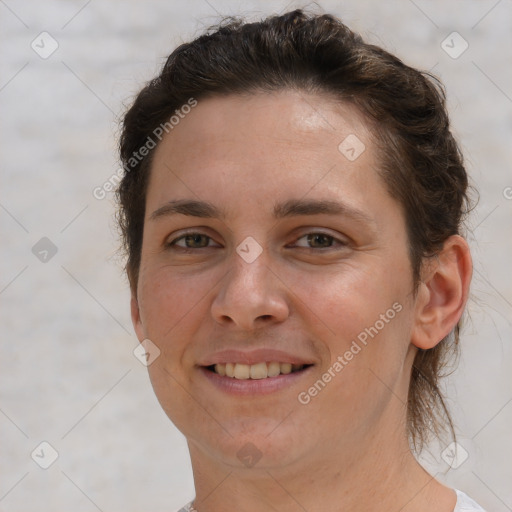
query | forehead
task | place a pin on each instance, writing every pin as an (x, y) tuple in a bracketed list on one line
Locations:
[(266, 146), (282, 118)]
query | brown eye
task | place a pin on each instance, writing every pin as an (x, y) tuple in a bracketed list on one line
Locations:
[(320, 240), (191, 241)]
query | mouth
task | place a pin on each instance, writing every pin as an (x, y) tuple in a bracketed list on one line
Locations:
[(256, 371), (251, 380)]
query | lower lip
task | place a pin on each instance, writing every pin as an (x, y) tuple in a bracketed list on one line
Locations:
[(254, 386)]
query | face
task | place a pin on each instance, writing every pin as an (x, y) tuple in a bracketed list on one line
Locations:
[(299, 260)]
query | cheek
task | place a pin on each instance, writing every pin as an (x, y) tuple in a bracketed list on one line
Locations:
[(169, 302), (363, 317), (346, 300), (172, 309)]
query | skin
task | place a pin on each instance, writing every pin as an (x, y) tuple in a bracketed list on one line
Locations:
[(347, 448)]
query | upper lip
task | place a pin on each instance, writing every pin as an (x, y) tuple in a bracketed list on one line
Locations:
[(253, 357)]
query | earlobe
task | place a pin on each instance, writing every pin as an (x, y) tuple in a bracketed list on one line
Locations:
[(136, 318), (443, 294)]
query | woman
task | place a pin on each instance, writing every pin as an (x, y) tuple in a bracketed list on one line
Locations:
[(291, 208)]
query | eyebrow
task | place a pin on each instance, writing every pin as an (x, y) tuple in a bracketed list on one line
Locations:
[(289, 208)]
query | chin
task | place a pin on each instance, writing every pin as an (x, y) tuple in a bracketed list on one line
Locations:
[(256, 443)]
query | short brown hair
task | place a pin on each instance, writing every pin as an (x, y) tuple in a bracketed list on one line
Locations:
[(421, 163)]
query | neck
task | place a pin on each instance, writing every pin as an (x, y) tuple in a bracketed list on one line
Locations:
[(384, 476)]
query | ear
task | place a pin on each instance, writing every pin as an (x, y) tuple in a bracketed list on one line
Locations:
[(442, 294), (136, 319)]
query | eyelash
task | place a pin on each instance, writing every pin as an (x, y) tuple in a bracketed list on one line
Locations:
[(172, 243)]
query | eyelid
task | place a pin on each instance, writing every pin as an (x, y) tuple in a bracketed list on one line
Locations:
[(183, 235), (343, 240)]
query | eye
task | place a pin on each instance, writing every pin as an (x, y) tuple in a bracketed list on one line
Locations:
[(314, 240), (191, 240), (320, 240)]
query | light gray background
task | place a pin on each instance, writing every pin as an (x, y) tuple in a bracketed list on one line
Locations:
[(68, 375)]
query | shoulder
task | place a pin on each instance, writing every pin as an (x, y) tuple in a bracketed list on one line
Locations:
[(466, 504), (186, 508)]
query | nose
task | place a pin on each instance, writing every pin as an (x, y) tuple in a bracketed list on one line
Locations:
[(251, 295)]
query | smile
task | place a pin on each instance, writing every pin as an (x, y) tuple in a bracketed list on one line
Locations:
[(256, 371)]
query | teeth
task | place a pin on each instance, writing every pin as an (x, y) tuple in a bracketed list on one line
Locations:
[(274, 369), (256, 371), (220, 369), (286, 368), (242, 371), (230, 369)]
